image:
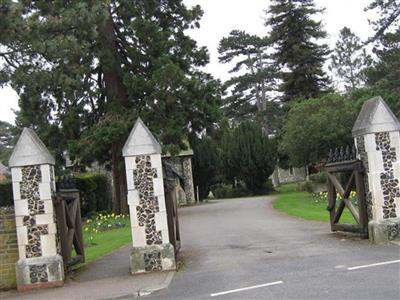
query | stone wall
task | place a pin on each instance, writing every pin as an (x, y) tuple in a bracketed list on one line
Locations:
[(8, 248), (286, 176), (183, 165)]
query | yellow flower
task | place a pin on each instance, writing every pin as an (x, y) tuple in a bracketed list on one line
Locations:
[(86, 229), (88, 221)]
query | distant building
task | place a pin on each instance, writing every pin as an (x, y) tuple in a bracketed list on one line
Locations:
[(291, 175)]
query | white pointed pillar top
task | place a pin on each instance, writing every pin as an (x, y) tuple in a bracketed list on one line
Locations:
[(141, 141), (375, 116), (29, 151)]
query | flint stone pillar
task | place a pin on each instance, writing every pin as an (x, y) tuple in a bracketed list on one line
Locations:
[(377, 138), (32, 170), (151, 250)]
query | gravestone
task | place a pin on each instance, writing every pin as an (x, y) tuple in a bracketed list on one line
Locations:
[(152, 250), (32, 170), (377, 138)]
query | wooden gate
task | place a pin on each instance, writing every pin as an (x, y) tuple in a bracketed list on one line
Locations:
[(342, 162), (171, 203), (69, 223)]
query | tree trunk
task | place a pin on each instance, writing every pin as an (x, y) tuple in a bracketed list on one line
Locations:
[(117, 102)]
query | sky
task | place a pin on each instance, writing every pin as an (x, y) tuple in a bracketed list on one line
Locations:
[(222, 16)]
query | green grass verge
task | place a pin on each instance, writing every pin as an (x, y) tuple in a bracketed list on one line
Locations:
[(105, 242), (305, 206)]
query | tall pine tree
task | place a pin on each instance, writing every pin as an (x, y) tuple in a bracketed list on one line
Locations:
[(349, 59), (295, 35), (85, 70)]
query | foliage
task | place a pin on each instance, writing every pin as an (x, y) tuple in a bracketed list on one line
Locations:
[(95, 192), (206, 164), (295, 35), (255, 75), (313, 127), (7, 141), (248, 155), (6, 194), (318, 177), (349, 59), (82, 81), (389, 16), (227, 191)]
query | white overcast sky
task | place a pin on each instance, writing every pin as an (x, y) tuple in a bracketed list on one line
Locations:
[(222, 16)]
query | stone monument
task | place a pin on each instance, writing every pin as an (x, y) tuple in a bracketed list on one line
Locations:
[(377, 138), (152, 250), (32, 170)]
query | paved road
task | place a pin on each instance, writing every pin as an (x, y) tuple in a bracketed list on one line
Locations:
[(241, 243)]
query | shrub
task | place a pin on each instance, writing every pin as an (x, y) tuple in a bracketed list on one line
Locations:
[(95, 192), (249, 155), (227, 191), (318, 177), (6, 194)]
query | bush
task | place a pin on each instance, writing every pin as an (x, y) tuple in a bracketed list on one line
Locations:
[(6, 194), (227, 191), (249, 156), (95, 192), (318, 177)]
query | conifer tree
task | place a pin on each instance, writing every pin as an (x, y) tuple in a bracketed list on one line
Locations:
[(349, 59), (295, 35)]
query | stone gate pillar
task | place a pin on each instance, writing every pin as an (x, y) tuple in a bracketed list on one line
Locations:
[(32, 169), (152, 250), (377, 138)]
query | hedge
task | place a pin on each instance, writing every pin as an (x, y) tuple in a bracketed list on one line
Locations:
[(95, 192), (6, 194)]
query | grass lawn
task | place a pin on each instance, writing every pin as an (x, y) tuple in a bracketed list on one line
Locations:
[(105, 242), (305, 206)]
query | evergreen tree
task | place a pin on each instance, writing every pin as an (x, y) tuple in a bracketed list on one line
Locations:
[(85, 70), (295, 35), (7, 141), (255, 74), (349, 59), (389, 12), (249, 155)]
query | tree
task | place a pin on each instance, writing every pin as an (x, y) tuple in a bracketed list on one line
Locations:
[(85, 70), (389, 11), (249, 155), (7, 141), (349, 59), (313, 127), (295, 36), (250, 89), (206, 164)]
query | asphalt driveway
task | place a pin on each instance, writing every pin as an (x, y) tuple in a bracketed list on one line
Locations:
[(243, 249)]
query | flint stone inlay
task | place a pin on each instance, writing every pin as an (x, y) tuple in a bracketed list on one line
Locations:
[(38, 273), (152, 261), (390, 184), (148, 203)]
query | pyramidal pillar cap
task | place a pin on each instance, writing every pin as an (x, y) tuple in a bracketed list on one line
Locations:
[(141, 141), (375, 116), (30, 150)]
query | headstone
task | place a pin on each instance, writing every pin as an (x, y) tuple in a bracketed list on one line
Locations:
[(32, 170), (152, 250), (377, 138)]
